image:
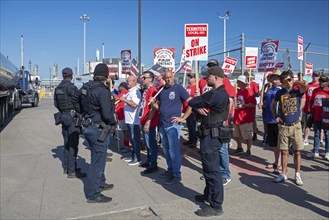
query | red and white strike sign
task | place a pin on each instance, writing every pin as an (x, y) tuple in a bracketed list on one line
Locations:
[(308, 69), (251, 57), (229, 65), (300, 47), (196, 41)]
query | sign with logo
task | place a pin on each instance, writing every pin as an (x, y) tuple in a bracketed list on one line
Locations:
[(300, 47), (188, 66), (268, 53), (165, 57), (126, 61), (229, 65), (196, 42), (308, 69), (251, 57)]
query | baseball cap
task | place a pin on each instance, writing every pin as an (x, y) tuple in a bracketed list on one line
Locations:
[(242, 79), (101, 70), (216, 71), (67, 72), (212, 62)]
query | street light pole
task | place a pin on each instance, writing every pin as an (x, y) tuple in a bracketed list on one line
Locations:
[(227, 15), (84, 18)]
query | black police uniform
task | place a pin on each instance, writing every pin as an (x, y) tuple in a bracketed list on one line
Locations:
[(217, 100), (63, 102), (101, 112)]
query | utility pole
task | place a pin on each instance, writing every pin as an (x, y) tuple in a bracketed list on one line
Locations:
[(227, 15), (242, 53), (139, 36), (84, 18)]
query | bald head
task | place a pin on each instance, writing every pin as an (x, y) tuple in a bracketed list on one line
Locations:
[(132, 81), (169, 78)]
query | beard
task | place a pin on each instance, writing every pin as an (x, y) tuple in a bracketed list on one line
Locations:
[(211, 84)]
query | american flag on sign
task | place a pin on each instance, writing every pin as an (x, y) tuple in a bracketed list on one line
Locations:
[(134, 68)]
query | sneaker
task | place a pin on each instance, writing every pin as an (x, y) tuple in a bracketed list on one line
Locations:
[(202, 177), (280, 179), (230, 144), (322, 144), (100, 199), (128, 159), (226, 181), (238, 151), (108, 159), (209, 211), (109, 154), (276, 171), (298, 179), (134, 162), (313, 155), (150, 170), (306, 143), (326, 157), (172, 180), (166, 175)]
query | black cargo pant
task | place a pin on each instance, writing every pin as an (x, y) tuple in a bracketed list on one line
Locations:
[(211, 170), (71, 141)]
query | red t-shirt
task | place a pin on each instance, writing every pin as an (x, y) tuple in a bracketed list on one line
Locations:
[(316, 98), (119, 109), (146, 107), (254, 87), (308, 96), (191, 91), (244, 115)]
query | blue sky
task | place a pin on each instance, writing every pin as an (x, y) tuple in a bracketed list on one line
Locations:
[(53, 32)]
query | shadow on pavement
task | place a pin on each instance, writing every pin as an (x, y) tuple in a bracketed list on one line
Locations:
[(286, 191)]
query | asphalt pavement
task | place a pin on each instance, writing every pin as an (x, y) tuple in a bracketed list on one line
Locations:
[(33, 185)]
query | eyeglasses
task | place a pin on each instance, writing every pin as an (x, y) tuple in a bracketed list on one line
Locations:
[(315, 75)]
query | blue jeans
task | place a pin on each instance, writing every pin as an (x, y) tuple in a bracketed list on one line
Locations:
[(191, 126), (317, 131), (170, 137), (152, 147), (96, 177), (135, 137), (224, 161)]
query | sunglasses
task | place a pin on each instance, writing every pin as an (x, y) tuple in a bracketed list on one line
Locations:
[(315, 75)]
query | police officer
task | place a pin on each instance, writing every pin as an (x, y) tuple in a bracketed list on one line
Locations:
[(95, 103), (63, 102), (213, 109)]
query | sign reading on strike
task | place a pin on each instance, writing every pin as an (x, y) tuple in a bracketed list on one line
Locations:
[(229, 65), (300, 47), (196, 41), (251, 57), (308, 69)]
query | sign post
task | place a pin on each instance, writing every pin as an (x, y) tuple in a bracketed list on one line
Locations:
[(300, 55), (196, 46)]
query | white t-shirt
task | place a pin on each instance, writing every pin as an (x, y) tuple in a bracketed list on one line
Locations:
[(131, 114)]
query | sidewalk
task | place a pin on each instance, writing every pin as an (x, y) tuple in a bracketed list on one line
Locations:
[(33, 185)]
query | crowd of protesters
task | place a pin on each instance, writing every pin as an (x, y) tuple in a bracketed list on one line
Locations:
[(156, 108)]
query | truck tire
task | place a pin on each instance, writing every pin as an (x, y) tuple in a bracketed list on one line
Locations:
[(36, 101)]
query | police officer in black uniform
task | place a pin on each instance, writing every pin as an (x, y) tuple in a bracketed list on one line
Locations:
[(212, 108), (95, 103), (63, 102)]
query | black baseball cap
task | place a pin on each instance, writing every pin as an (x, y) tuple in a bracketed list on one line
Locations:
[(190, 75), (66, 72), (212, 62)]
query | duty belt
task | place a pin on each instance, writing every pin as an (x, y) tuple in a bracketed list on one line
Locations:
[(88, 122)]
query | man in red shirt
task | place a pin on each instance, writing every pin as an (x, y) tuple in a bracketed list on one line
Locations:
[(306, 104), (119, 110), (255, 89), (316, 101), (244, 116), (191, 120), (149, 120)]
